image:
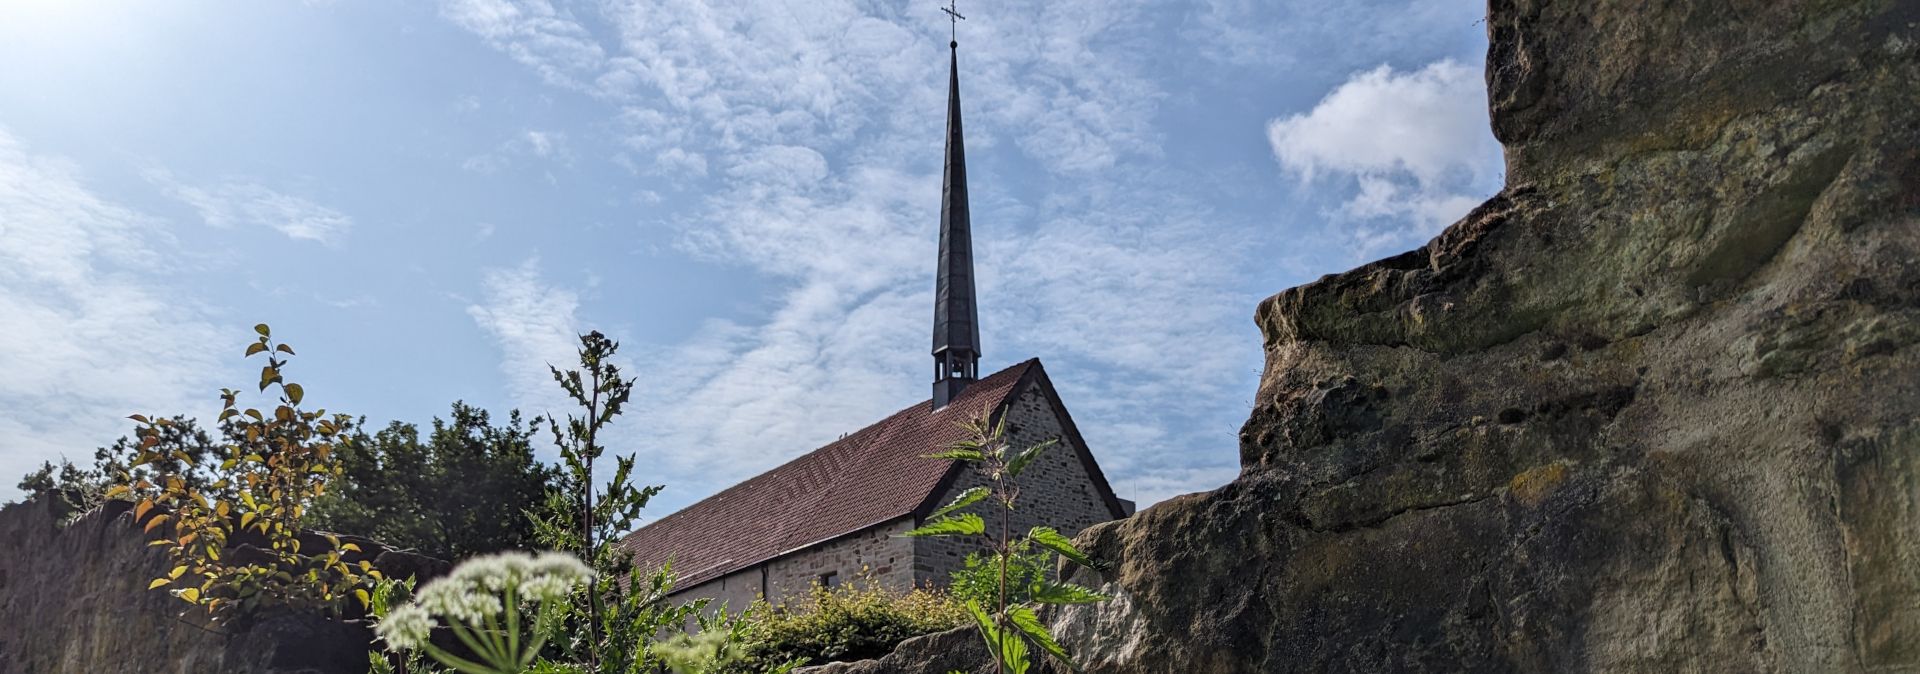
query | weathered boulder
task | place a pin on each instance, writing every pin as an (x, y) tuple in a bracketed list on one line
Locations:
[(944, 652), (75, 599), (1650, 409)]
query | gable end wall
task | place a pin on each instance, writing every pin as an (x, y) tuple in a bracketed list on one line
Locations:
[(1055, 490)]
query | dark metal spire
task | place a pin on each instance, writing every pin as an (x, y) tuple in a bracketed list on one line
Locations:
[(956, 323)]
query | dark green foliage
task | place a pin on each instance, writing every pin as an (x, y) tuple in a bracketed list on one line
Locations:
[(854, 621), (458, 492), (980, 580)]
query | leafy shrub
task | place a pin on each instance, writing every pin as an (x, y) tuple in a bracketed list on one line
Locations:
[(979, 582), (269, 472), (853, 621)]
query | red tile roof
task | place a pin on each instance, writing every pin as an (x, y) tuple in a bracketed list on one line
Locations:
[(875, 475)]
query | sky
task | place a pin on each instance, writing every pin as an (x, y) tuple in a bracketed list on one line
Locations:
[(429, 200)]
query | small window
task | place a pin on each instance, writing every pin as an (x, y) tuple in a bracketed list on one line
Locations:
[(830, 579)]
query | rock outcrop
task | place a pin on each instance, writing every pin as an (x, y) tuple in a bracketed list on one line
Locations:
[(74, 598), (1650, 409)]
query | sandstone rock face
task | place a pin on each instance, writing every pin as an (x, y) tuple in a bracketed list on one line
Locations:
[(75, 599), (1650, 409)]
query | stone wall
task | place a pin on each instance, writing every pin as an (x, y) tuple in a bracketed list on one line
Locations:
[(1055, 491), (75, 599), (877, 552), (1650, 409)]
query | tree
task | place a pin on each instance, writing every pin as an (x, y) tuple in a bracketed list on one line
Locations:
[(80, 489), (459, 492)]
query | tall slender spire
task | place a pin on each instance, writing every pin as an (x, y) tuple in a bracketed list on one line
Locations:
[(956, 323)]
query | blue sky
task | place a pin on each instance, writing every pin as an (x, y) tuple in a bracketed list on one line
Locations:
[(429, 199)]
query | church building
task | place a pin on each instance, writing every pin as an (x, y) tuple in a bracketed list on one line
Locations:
[(838, 512)]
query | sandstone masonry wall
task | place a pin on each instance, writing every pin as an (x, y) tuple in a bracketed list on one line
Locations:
[(1055, 491), (878, 553)]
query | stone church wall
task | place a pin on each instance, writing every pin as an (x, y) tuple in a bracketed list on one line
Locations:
[(1055, 491), (877, 552)]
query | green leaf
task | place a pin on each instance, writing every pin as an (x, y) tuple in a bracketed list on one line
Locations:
[(1048, 592), (1028, 623), (988, 630), (964, 525), (966, 498), (1013, 654), (1050, 539), (958, 455), (1020, 461)]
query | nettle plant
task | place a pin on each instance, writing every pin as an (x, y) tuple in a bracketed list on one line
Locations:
[(274, 463), (1011, 627)]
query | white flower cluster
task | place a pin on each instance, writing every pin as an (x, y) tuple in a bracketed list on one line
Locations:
[(476, 589)]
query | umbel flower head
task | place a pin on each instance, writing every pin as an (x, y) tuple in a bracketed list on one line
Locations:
[(479, 591)]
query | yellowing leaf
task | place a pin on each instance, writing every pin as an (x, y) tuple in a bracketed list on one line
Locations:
[(364, 598), (155, 522), (190, 594), (256, 347), (295, 393), (263, 330), (157, 582), (140, 509)]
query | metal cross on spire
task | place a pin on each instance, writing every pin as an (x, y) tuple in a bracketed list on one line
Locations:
[(953, 21)]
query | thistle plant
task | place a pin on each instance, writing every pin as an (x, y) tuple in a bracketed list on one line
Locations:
[(481, 603), (1008, 626)]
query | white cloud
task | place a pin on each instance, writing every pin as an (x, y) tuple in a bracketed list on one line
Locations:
[(537, 144), (246, 203), (535, 325), (534, 32), (93, 330), (1416, 145)]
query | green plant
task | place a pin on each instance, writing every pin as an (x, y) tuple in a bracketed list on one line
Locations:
[(271, 469), (456, 490), (979, 581), (481, 602), (1007, 625), (856, 620), (612, 628)]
